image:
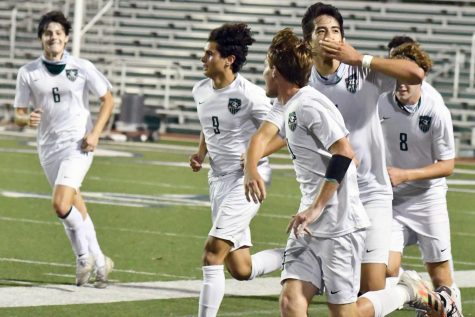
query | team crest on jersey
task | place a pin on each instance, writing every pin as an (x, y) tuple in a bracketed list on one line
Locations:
[(234, 105), (352, 82), (424, 123), (292, 121), (72, 74)]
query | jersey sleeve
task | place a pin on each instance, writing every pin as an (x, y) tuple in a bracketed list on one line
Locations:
[(260, 104), (443, 136), (97, 83), (322, 124), (22, 90), (276, 117)]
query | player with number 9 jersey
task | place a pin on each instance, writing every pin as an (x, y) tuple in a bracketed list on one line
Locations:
[(229, 116)]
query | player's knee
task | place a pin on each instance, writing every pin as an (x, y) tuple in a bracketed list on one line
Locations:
[(61, 207), (241, 273), (288, 305), (212, 258)]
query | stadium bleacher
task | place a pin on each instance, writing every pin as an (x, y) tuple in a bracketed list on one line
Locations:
[(137, 42)]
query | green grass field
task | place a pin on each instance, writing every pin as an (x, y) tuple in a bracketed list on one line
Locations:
[(152, 219)]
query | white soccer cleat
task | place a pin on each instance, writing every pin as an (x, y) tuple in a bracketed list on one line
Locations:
[(103, 272), (451, 308), (421, 296), (83, 270)]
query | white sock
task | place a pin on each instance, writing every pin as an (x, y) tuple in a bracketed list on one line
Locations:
[(93, 244), (387, 300), (74, 227), (266, 261), (457, 295), (212, 290), (392, 281)]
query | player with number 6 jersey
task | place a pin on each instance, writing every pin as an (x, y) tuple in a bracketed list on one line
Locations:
[(57, 86)]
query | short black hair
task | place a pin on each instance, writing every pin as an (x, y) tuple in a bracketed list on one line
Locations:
[(399, 40), (53, 16), (316, 10), (233, 39)]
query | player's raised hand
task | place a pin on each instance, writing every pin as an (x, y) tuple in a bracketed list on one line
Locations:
[(35, 118), (196, 162), (89, 142), (340, 51), (254, 186)]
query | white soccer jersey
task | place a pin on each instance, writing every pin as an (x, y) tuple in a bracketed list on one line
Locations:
[(64, 99), (417, 140), (228, 117), (312, 125), (355, 91)]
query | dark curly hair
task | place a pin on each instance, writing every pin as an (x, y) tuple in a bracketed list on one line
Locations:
[(291, 56), (53, 16), (313, 12), (233, 39)]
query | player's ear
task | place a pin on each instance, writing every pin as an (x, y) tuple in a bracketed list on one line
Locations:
[(230, 60)]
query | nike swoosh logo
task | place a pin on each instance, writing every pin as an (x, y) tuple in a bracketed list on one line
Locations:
[(334, 292), (200, 102), (369, 251), (443, 250), (218, 228)]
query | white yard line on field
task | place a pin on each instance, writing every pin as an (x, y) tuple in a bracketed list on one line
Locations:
[(44, 295)]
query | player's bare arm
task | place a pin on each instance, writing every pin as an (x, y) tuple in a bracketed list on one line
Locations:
[(258, 148), (23, 118), (196, 159), (443, 168), (341, 159), (402, 70), (91, 139)]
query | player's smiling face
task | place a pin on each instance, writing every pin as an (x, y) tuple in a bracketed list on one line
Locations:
[(213, 63), (54, 40)]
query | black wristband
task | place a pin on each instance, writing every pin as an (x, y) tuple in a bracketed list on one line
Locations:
[(337, 167)]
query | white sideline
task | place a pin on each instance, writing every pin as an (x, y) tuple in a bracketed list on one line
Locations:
[(51, 294)]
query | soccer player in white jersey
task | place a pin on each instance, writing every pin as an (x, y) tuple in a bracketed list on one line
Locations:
[(57, 86), (326, 245), (420, 153), (353, 82), (230, 109)]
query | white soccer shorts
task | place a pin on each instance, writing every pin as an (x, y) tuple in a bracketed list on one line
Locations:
[(231, 213), (431, 233), (333, 264), (378, 235), (70, 170)]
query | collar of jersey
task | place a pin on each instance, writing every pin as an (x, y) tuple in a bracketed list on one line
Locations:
[(55, 67), (410, 109), (331, 79)]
